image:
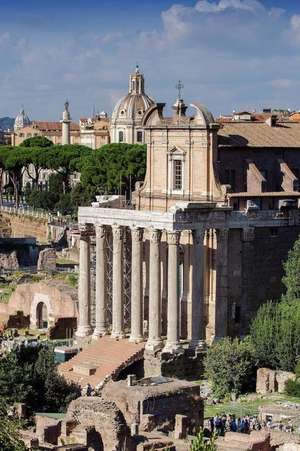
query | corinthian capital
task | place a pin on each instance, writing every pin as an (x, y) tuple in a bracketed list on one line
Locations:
[(173, 238), (137, 234), (118, 232), (100, 231), (155, 235), (198, 236)]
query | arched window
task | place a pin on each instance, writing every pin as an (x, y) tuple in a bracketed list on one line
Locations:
[(121, 136), (139, 136)]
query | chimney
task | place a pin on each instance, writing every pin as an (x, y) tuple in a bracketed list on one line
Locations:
[(272, 120)]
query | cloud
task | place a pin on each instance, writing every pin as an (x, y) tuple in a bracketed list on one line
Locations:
[(295, 28), (225, 51), (175, 21), (205, 6)]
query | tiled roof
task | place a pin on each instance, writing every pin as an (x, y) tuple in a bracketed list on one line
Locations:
[(52, 126), (259, 134)]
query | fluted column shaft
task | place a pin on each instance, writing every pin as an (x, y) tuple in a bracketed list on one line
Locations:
[(172, 343), (117, 296), (136, 286), (154, 336), (197, 324), (101, 282), (84, 295)]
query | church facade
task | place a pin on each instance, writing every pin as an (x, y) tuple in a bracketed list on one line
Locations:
[(211, 224)]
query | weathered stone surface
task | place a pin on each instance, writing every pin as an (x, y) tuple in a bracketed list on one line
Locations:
[(182, 366), (234, 441), (47, 260), (271, 381), (9, 261), (104, 417), (58, 298), (155, 402)]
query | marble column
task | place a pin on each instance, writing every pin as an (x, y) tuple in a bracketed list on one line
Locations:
[(136, 334), (84, 292), (101, 282), (221, 313), (197, 320), (154, 335), (172, 344), (117, 283)]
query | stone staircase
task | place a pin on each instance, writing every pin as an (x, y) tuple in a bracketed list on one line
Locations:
[(101, 360)]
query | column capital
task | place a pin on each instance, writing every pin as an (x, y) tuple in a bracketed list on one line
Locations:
[(137, 233), (198, 236), (85, 232), (155, 235), (118, 232), (173, 238), (100, 231), (222, 234)]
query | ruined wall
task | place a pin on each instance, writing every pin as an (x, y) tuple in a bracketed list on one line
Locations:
[(27, 226), (255, 271), (104, 417)]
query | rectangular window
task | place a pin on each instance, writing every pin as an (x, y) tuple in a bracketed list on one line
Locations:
[(177, 185), (139, 136)]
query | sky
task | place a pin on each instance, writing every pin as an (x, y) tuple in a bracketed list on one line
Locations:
[(229, 54)]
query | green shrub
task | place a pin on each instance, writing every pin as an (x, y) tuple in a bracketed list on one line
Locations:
[(275, 333), (292, 388), (230, 366), (201, 444)]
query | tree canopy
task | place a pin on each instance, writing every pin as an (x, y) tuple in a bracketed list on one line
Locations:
[(114, 168), (29, 375), (275, 331)]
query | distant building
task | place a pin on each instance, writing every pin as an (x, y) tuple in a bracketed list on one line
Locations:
[(126, 122), (50, 129), (94, 132)]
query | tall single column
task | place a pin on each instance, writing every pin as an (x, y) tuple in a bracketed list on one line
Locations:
[(197, 320), (117, 296), (101, 282), (172, 344), (66, 125), (154, 335), (84, 293), (136, 286), (221, 313)]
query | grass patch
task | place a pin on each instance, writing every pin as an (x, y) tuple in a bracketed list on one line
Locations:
[(6, 293), (245, 406), (65, 261)]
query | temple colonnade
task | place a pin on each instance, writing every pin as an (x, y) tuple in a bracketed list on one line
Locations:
[(193, 243)]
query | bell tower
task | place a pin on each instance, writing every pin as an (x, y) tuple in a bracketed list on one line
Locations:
[(136, 82)]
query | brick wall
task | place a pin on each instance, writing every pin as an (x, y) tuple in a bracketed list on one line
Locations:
[(27, 226)]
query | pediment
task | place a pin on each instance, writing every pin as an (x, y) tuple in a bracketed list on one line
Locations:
[(175, 150)]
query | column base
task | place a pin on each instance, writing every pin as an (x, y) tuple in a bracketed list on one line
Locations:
[(118, 335), (154, 345), (198, 345), (136, 339), (173, 348), (83, 331), (98, 333)]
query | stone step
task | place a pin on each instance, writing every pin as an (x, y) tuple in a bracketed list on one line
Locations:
[(105, 357)]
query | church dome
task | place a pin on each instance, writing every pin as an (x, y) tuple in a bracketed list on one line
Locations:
[(21, 120), (131, 108)]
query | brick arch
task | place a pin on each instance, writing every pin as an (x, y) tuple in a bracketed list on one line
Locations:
[(95, 414), (37, 300)]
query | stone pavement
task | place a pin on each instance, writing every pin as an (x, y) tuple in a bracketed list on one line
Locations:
[(103, 359)]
